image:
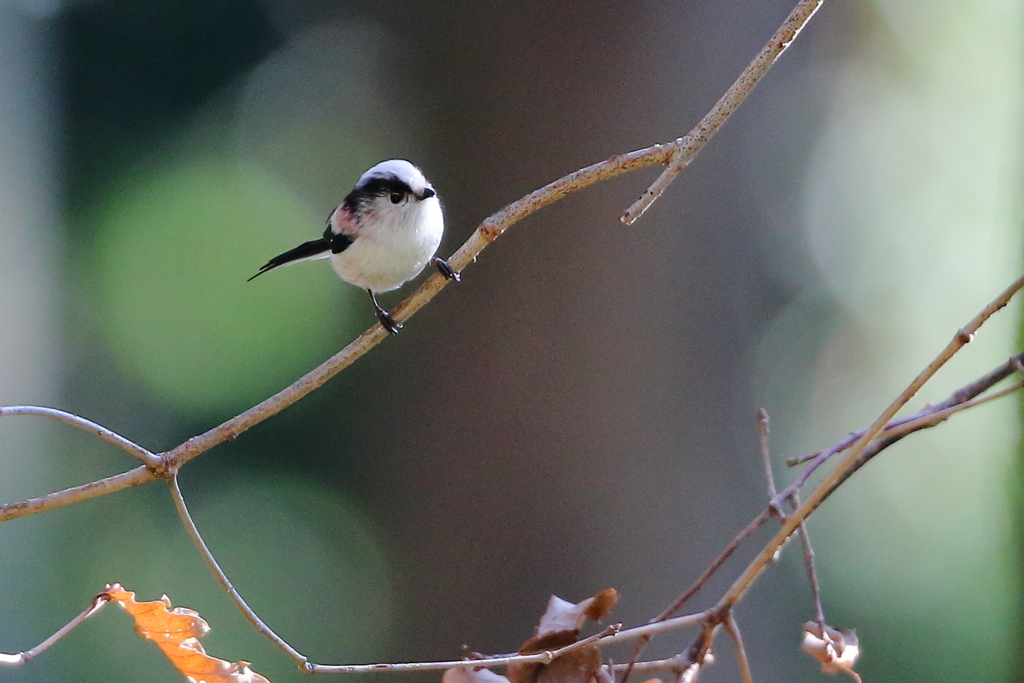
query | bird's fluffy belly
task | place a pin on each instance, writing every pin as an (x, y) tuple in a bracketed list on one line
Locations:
[(383, 265)]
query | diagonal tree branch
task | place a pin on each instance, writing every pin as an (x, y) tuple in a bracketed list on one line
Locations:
[(686, 148), (849, 464)]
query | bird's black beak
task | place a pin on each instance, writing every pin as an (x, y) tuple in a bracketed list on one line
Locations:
[(427, 193)]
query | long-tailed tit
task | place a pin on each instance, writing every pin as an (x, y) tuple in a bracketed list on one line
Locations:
[(382, 235)]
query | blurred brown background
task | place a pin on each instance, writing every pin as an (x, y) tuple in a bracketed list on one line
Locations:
[(579, 412)]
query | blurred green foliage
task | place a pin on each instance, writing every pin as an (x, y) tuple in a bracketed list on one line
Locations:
[(174, 246)]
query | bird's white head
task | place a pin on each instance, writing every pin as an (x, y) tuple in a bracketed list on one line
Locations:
[(394, 196)]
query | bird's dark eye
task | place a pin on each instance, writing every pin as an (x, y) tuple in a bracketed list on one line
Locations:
[(395, 197)]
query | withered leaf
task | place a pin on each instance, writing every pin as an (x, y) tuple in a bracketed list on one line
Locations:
[(559, 627), (176, 631), (561, 622), (837, 649)]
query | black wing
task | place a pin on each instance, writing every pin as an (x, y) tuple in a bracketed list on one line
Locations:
[(303, 251), (331, 241)]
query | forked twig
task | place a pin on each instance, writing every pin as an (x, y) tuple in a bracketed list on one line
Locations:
[(794, 499), (686, 148), (21, 658)]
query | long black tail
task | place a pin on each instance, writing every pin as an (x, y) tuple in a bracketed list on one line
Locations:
[(303, 251)]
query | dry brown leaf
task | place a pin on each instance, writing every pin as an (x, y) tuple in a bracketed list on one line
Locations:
[(176, 631), (562, 616), (837, 649), (560, 626)]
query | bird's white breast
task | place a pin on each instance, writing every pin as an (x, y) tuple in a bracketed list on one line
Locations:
[(393, 245)]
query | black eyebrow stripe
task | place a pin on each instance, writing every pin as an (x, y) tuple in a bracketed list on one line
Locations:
[(385, 185), (378, 186)]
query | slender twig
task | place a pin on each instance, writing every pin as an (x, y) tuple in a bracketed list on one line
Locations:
[(812, 573), (884, 441), (766, 459), (958, 397), (222, 579), (75, 494), (502, 660), (824, 488), (610, 635), (762, 437), (794, 500), (686, 148), (897, 429), (111, 437), (733, 629), (727, 552), (676, 664), (22, 658)]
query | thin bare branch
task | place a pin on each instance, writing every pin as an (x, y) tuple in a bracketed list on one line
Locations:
[(886, 440), (733, 629), (21, 658), (488, 231), (929, 417), (75, 494), (111, 437), (766, 458), (958, 397), (805, 536), (812, 572), (675, 664), (222, 579), (686, 148), (548, 656)]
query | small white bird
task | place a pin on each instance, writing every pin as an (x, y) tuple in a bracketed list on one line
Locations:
[(382, 235)]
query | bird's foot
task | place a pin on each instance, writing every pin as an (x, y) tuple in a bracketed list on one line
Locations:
[(446, 270), (387, 322)]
